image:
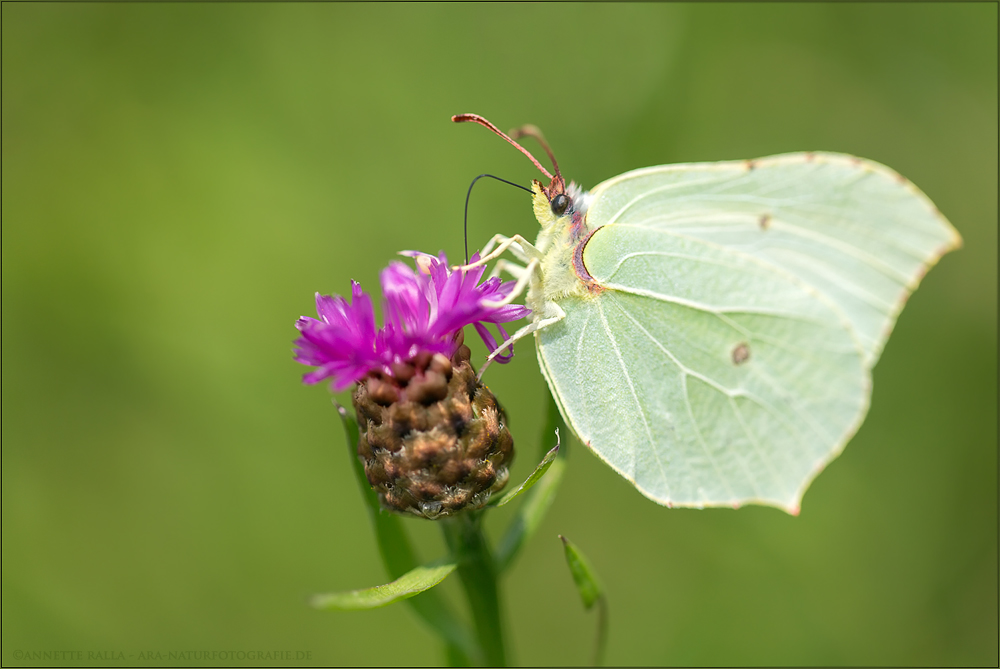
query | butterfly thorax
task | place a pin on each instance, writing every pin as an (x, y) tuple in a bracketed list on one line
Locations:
[(558, 241)]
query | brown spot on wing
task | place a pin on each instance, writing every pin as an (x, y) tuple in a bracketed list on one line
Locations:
[(765, 221), (741, 353)]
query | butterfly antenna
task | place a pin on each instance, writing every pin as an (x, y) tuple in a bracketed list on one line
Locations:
[(476, 118), (465, 221), (534, 132)]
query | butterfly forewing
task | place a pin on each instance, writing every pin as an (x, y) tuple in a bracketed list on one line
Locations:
[(853, 229)]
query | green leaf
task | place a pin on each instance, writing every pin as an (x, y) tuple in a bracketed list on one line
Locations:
[(399, 557), (409, 584), (554, 423), (542, 467), (591, 592), (538, 499), (529, 515), (583, 574)]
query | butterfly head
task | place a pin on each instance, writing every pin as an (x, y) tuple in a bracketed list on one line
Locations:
[(559, 204)]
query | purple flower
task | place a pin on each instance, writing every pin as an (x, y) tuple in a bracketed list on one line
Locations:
[(423, 311)]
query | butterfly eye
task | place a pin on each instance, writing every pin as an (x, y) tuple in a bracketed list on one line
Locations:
[(559, 204)]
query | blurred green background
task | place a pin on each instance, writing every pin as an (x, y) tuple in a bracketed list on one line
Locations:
[(179, 179)]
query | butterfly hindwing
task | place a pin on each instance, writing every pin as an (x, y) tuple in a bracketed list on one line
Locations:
[(703, 387)]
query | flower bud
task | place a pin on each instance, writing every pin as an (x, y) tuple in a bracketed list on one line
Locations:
[(434, 440)]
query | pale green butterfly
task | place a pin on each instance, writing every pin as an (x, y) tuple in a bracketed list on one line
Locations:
[(709, 329)]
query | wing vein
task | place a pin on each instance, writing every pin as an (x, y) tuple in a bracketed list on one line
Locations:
[(685, 373), (718, 311), (635, 397)]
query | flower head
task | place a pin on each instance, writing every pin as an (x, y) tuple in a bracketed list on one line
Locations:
[(423, 311)]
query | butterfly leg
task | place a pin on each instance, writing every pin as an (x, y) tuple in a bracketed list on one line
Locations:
[(494, 240), (512, 268), (553, 314), (522, 282), (504, 241), (519, 247)]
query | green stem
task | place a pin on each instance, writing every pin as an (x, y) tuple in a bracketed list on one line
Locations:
[(478, 573)]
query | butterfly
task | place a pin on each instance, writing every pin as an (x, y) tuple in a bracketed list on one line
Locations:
[(709, 329)]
